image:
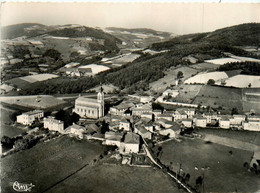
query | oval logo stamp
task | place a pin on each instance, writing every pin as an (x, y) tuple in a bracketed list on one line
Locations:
[(21, 187)]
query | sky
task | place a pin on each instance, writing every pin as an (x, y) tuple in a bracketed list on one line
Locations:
[(178, 18)]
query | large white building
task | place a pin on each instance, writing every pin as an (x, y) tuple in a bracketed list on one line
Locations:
[(53, 124), (29, 117), (89, 107)]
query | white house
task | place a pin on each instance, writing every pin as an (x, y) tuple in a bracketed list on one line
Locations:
[(53, 124), (210, 117), (237, 120), (29, 117), (252, 125), (224, 123), (113, 138), (124, 125), (180, 114), (200, 121), (138, 111), (75, 130), (131, 143), (187, 122)]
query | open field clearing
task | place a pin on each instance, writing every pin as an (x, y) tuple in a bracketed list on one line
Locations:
[(203, 78), (47, 163), (170, 78), (205, 66), (95, 68), (126, 59), (34, 101), (224, 97), (221, 61), (187, 93), (225, 171), (26, 80), (244, 59), (117, 178), (242, 81)]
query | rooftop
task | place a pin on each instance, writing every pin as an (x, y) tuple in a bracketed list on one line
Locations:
[(33, 112), (131, 137)]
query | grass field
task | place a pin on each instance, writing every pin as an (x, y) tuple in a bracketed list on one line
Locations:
[(47, 163), (225, 172), (117, 179), (242, 81), (205, 66), (188, 93), (215, 96)]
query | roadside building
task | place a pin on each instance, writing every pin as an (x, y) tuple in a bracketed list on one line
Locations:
[(224, 123), (252, 125), (113, 138), (180, 114), (29, 117), (237, 120), (200, 121), (131, 143), (76, 130), (211, 117), (53, 124), (90, 108), (187, 123)]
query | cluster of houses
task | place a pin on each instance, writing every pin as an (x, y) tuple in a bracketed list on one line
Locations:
[(135, 119)]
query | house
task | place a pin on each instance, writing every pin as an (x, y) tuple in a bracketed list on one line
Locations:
[(166, 116), (139, 129), (200, 121), (180, 114), (172, 131), (253, 118), (124, 125), (165, 123), (210, 117), (224, 123), (114, 125), (187, 122), (113, 138), (29, 117), (131, 143), (91, 129), (53, 124), (252, 125), (90, 108), (147, 115), (156, 113), (75, 130), (237, 120), (121, 108), (139, 110)]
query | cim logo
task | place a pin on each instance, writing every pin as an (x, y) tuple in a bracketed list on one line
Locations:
[(20, 187)]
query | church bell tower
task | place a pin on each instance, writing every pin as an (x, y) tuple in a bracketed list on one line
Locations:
[(100, 100)]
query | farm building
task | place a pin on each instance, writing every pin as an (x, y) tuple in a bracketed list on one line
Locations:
[(29, 117)]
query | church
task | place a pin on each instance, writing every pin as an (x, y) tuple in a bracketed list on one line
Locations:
[(89, 107)]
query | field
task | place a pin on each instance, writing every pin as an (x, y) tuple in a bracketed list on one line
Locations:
[(126, 59), (170, 78), (221, 61), (26, 80), (242, 81), (205, 66), (215, 96), (187, 93), (117, 178), (224, 172), (46, 164), (44, 102), (204, 77), (95, 68)]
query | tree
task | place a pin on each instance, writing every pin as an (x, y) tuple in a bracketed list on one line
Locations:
[(211, 82), (52, 54), (180, 74), (234, 111), (7, 141)]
